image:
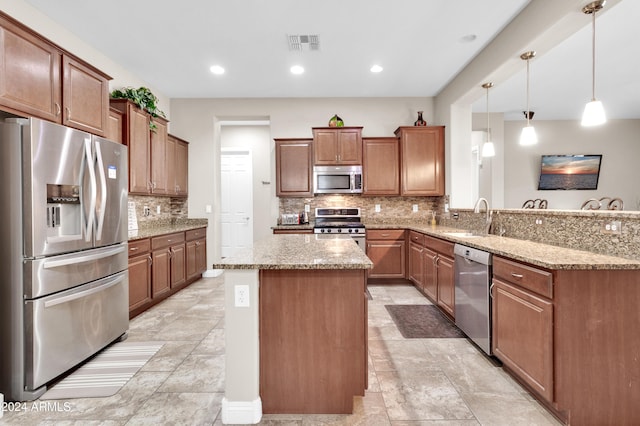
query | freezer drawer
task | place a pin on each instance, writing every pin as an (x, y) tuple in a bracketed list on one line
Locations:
[(56, 273), (64, 329)]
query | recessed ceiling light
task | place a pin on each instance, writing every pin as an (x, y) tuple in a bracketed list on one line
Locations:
[(217, 70), (376, 68), (296, 69)]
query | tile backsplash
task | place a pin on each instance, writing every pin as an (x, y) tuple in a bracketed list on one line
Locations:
[(392, 209), (170, 208)]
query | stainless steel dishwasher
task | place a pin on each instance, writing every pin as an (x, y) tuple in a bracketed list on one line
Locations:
[(473, 301)]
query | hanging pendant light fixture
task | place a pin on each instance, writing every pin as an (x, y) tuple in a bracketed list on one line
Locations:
[(593, 112), (528, 135), (488, 149)]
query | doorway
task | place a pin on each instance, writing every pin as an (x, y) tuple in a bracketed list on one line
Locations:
[(236, 193)]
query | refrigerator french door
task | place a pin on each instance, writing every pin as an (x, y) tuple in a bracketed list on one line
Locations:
[(64, 290)]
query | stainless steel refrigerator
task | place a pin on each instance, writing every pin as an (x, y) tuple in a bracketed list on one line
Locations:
[(63, 251)]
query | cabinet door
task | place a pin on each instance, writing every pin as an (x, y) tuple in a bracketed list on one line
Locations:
[(182, 169), (196, 258), (293, 168), (159, 159), (446, 284), (85, 97), (115, 126), (30, 76), (138, 140), (160, 268), (139, 281), (350, 146), (178, 265), (523, 335), (325, 147), (380, 166), (422, 160), (416, 264), (388, 258), (430, 283), (201, 255)]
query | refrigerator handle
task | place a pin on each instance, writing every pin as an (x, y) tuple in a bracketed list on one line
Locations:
[(103, 191), (83, 259), (92, 184), (85, 293)]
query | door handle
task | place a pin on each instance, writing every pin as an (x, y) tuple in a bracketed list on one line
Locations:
[(93, 186), (103, 197), (82, 259)]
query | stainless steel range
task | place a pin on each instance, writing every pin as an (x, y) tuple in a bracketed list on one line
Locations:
[(340, 222)]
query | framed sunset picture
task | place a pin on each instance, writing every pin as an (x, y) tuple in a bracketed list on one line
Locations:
[(569, 172)]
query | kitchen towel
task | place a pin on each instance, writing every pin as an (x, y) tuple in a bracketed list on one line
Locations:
[(422, 321), (105, 373)]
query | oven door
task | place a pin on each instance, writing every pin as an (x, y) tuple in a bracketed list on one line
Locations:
[(358, 238), (65, 328)]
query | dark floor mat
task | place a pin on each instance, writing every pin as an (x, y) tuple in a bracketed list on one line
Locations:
[(422, 321)]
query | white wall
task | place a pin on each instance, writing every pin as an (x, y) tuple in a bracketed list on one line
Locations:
[(492, 172), (197, 121), (618, 141)]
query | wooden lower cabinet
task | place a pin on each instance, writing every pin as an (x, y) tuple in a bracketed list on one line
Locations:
[(162, 265), (293, 231), (386, 248), (139, 274), (446, 284), (430, 274), (523, 335)]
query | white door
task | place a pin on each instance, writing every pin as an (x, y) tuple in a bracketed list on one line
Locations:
[(237, 200)]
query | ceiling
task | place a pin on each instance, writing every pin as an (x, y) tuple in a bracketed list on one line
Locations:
[(421, 45)]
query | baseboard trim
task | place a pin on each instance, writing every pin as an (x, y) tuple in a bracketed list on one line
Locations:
[(241, 412), (211, 273)]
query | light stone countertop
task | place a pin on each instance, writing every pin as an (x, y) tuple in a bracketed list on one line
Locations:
[(291, 251), (543, 255), (157, 228)]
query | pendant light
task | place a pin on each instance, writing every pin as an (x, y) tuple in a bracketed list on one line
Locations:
[(488, 149), (593, 112), (528, 135)]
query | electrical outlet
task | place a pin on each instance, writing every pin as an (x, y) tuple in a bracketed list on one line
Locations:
[(613, 227), (307, 208), (539, 221), (146, 211), (377, 208), (415, 208), (207, 208), (242, 296), (158, 209)]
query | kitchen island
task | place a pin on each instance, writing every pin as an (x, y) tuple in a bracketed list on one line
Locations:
[(296, 327)]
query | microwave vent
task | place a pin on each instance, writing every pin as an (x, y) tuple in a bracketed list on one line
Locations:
[(303, 43)]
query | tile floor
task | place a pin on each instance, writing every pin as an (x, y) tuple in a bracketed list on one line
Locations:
[(414, 382)]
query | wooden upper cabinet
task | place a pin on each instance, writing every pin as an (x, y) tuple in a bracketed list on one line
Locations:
[(337, 146), (115, 125), (85, 97), (380, 166), (159, 157), (137, 138), (30, 73), (40, 79), (422, 160), (294, 168), (177, 166)]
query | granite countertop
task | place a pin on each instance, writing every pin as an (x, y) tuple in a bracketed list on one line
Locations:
[(162, 227), (294, 227), (543, 255), (290, 251)]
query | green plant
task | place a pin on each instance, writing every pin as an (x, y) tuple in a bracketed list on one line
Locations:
[(144, 98)]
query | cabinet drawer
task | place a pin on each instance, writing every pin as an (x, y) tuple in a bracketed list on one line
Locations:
[(537, 280), (167, 240), (416, 237), (196, 234), (441, 246), (385, 234), (138, 247)]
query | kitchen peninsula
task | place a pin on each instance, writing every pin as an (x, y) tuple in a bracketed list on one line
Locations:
[(296, 327)]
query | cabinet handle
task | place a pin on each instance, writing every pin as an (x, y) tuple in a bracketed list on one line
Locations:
[(58, 109), (68, 111), (491, 290), (385, 235), (170, 253), (150, 260), (133, 248), (514, 275), (169, 241)]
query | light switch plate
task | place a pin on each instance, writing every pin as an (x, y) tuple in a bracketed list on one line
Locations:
[(377, 208), (415, 208)]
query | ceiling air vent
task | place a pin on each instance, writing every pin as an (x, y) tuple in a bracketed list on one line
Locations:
[(304, 42)]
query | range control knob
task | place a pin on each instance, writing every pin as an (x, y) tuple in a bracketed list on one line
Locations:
[(339, 230)]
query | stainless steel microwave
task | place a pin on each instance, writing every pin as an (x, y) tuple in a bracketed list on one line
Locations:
[(337, 179)]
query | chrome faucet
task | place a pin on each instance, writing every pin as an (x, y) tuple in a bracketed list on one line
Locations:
[(488, 213)]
